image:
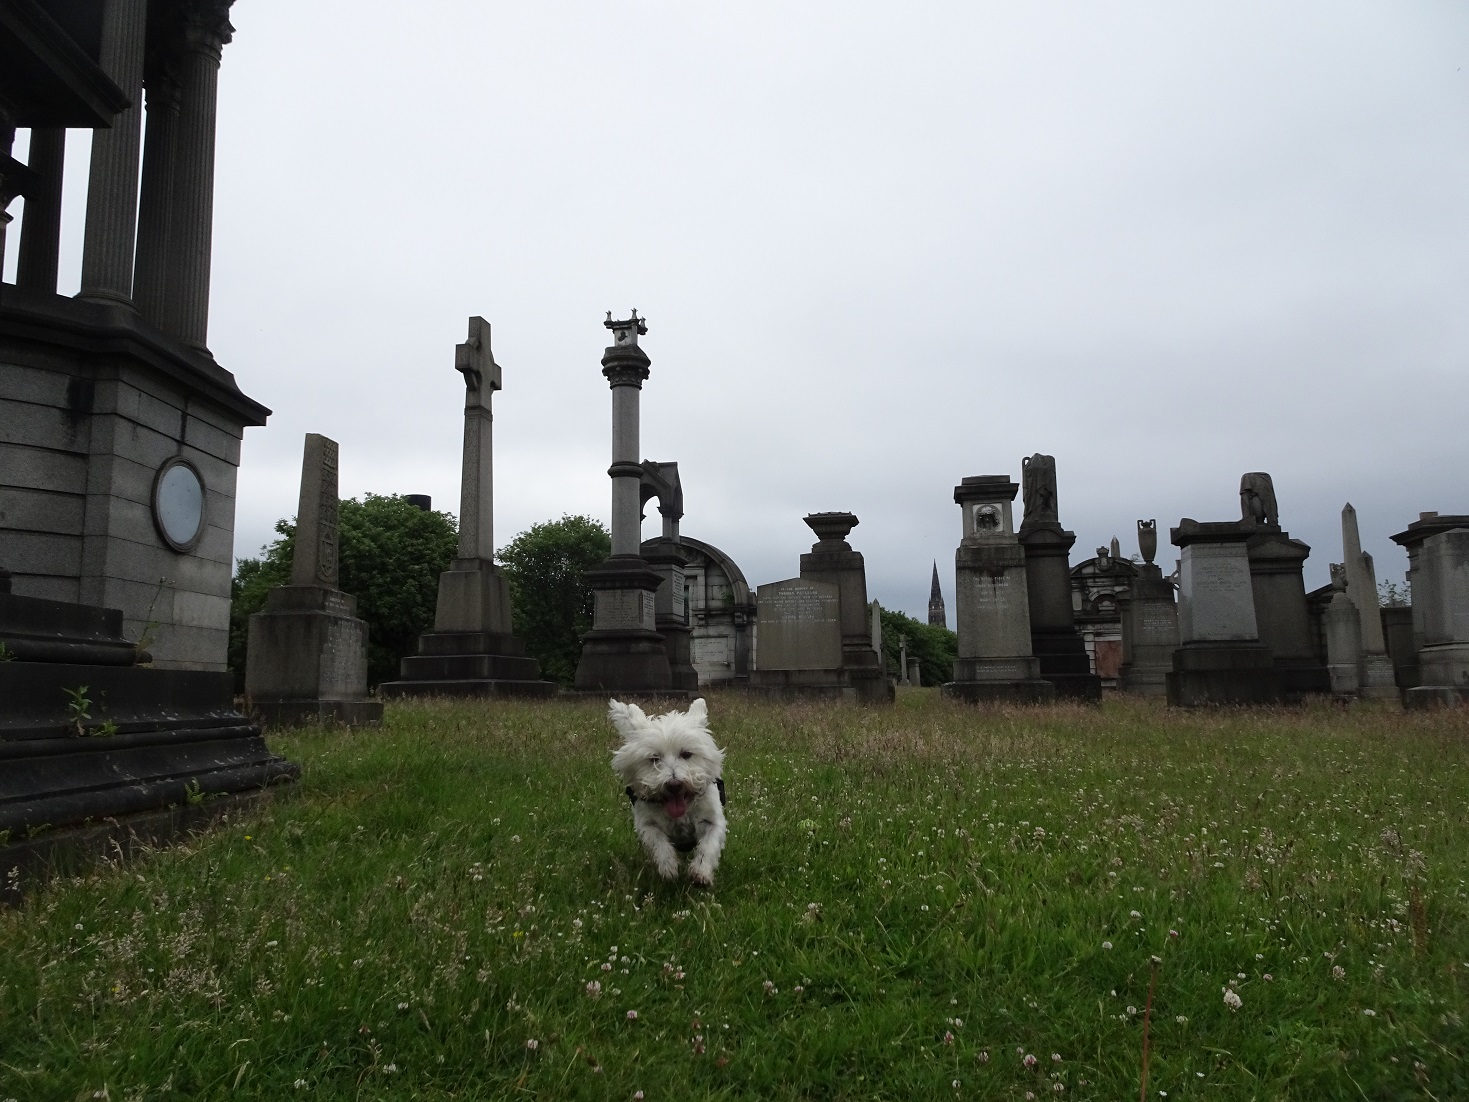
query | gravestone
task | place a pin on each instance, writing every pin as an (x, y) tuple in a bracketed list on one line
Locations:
[(915, 675), (472, 650), (1376, 675), (1149, 622), (992, 599), (858, 673), (307, 656), (798, 627), (1438, 573), (1283, 619), (1220, 659), (1343, 629), (1055, 642), (903, 675), (874, 620)]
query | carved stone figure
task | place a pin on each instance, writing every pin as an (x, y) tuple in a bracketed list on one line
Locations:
[(1339, 577), (1038, 477), (1257, 498), (1147, 539)]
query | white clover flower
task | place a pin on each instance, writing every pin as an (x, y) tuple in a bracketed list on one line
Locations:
[(1232, 999), (532, 1044), (1107, 945)]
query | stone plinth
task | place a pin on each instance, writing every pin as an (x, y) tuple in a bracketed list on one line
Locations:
[(1281, 614), (624, 650), (667, 558), (1220, 659), (1375, 672), (307, 655), (1342, 627), (1149, 633), (1438, 557), (992, 601), (1402, 650)]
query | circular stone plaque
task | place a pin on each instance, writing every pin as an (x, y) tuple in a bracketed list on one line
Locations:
[(178, 504)]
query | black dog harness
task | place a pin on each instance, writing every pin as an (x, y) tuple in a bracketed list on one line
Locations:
[(718, 781)]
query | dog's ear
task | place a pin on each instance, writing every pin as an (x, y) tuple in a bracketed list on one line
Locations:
[(627, 718), (699, 712)]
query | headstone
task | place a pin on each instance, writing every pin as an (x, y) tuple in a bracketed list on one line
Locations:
[(1220, 659), (1055, 642), (995, 662), (472, 650), (798, 626), (307, 655), (859, 675), (874, 620), (1376, 674), (1343, 628), (1438, 574), (903, 676), (915, 673), (1277, 579), (1149, 623), (625, 652)]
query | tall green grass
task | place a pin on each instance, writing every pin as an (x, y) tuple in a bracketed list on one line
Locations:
[(913, 900)]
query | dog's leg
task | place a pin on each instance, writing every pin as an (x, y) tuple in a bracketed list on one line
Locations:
[(659, 848), (711, 831)]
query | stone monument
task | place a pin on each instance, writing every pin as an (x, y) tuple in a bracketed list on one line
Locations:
[(1149, 622), (1220, 659), (624, 651), (472, 650), (801, 606), (1376, 676), (1342, 627), (307, 659), (1438, 573), (668, 557), (1283, 619), (1055, 642), (995, 662)]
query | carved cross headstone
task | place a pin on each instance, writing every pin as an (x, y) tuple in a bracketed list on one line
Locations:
[(476, 362), (314, 559)]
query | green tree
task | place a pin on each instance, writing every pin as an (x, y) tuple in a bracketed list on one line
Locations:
[(934, 647), (390, 554), (551, 601)]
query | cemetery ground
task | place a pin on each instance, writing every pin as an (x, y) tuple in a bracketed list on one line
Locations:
[(926, 901)]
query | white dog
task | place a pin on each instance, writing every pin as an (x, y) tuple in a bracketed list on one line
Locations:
[(672, 771)]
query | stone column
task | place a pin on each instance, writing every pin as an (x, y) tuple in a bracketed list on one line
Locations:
[(40, 233), (191, 227), (1343, 629), (155, 202), (112, 189), (1376, 675), (626, 367)]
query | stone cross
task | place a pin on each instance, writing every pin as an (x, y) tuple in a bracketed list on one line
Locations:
[(314, 560), (1361, 585), (474, 360)]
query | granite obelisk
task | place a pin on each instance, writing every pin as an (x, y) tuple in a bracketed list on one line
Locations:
[(1376, 673)]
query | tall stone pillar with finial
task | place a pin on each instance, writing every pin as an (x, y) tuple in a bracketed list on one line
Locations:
[(472, 650), (624, 651), (1149, 622)]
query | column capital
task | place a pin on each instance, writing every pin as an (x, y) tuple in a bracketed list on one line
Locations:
[(206, 26)]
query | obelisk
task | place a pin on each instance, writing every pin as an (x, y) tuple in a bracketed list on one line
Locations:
[(1376, 679)]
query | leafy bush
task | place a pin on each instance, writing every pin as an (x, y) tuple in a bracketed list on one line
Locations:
[(934, 647), (551, 602)]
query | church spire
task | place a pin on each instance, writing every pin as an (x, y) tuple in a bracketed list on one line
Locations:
[(936, 614)]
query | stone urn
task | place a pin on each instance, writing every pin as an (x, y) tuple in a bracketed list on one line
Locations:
[(832, 527), (1147, 539)]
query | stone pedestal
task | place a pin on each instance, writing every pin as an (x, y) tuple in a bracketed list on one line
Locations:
[(832, 560), (1343, 629), (1438, 557), (991, 597), (624, 651), (670, 611), (86, 735), (1149, 633), (1402, 650), (1375, 669), (1220, 659), (1282, 618)]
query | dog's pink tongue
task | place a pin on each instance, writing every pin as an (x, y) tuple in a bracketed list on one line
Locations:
[(675, 806)]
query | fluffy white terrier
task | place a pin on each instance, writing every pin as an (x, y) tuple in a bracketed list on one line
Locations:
[(672, 771)]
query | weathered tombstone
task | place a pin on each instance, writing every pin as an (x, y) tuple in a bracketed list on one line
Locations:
[(903, 676), (1376, 676), (915, 674), (995, 662), (1277, 561), (1220, 659), (1149, 622), (1343, 629), (874, 621), (859, 674), (1438, 572), (1055, 642), (798, 629), (472, 650), (624, 651), (307, 658), (668, 558)]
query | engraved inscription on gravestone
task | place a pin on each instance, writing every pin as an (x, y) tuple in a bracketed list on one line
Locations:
[(328, 521), (621, 609), (1217, 595), (314, 561), (798, 626)]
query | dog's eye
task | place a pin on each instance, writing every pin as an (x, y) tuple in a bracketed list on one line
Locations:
[(686, 755)]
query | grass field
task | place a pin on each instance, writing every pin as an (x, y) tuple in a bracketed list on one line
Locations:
[(928, 901)]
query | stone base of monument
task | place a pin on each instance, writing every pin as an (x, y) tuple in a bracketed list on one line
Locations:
[(1300, 678), (1427, 697), (857, 686), (1378, 679), (1144, 680), (97, 737), (308, 660), (468, 663), (676, 644), (1064, 663), (999, 680), (1444, 668), (624, 661), (1224, 673)]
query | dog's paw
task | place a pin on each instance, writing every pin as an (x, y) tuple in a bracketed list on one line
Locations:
[(698, 874), (668, 868)]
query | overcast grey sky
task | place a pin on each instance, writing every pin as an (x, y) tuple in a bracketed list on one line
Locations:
[(880, 247)]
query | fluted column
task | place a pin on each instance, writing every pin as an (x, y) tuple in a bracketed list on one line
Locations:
[(155, 202), (191, 227), (40, 232), (112, 190), (625, 366)]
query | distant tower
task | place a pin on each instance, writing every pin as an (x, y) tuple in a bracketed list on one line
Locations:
[(936, 615)]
